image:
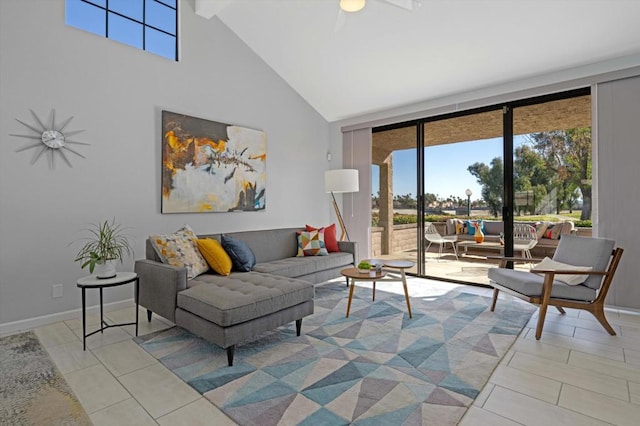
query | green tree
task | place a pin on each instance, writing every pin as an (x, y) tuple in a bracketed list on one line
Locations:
[(567, 154), (490, 179), (530, 173)]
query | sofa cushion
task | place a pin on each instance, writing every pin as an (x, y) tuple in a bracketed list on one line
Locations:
[(214, 254), (242, 296), (581, 251), (180, 249), (492, 227), (330, 238), (541, 229), (311, 243), (530, 284), (299, 266), (471, 229), (241, 255)]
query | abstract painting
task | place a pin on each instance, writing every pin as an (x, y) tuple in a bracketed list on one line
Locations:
[(209, 166)]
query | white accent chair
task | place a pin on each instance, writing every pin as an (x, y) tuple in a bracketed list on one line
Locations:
[(432, 235), (525, 238)]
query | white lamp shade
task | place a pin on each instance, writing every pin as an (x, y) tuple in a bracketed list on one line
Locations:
[(342, 180), (352, 5)]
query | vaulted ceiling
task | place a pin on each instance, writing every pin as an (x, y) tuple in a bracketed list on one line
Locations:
[(349, 64)]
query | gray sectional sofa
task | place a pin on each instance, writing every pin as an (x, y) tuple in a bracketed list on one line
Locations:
[(228, 310)]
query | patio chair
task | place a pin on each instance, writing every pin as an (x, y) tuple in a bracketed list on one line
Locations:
[(432, 235), (524, 239), (548, 286)]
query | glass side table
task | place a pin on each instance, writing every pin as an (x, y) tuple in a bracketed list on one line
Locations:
[(94, 282)]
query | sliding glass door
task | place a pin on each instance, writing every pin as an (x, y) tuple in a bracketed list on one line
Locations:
[(438, 180)]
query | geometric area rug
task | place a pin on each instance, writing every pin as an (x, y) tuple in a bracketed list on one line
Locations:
[(32, 389), (377, 367)]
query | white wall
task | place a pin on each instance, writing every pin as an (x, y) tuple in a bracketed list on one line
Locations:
[(116, 93)]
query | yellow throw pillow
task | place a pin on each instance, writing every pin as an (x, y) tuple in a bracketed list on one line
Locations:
[(215, 255)]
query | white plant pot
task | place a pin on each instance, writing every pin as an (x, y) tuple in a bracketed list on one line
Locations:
[(106, 270)]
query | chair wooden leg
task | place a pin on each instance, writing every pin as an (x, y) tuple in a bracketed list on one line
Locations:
[(495, 299), (562, 311), (546, 295), (598, 312)]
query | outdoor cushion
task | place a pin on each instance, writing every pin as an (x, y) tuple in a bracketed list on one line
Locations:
[(541, 229), (244, 296), (471, 229), (530, 284), (492, 227)]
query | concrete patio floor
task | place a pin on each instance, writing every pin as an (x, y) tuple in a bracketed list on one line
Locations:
[(470, 268)]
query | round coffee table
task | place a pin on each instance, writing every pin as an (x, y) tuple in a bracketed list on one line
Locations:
[(397, 269), (355, 275)]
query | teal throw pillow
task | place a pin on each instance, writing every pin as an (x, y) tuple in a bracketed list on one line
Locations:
[(472, 229), (241, 255)]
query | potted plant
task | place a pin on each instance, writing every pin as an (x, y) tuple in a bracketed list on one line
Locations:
[(106, 245), (364, 267)]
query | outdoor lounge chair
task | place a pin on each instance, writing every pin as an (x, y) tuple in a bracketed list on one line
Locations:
[(546, 287), (433, 236), (524, 239)]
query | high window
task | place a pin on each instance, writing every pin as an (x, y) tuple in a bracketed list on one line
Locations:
[(150, 25)]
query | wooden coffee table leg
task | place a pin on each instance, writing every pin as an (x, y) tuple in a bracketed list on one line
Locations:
[(353, 284), (406, 292)]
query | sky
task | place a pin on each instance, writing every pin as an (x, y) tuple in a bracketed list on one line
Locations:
[(445, 168)]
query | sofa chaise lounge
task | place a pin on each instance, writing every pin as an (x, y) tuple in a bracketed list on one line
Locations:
[(228, 310)]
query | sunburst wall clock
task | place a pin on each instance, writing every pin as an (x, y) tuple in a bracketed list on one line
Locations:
[(52, 139)]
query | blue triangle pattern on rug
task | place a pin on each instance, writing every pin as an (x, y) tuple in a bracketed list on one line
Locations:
[(376, 367), (396, 417), (324, 417)]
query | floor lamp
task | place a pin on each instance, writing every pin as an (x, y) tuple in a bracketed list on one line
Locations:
[(341, 181)]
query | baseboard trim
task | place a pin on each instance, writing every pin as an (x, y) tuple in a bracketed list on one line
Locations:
[(30, 323)]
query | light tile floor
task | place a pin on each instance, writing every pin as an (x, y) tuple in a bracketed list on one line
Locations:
[(575, 375)]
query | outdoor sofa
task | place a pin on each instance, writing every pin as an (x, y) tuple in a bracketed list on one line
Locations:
[(236, 308), (548, 233)]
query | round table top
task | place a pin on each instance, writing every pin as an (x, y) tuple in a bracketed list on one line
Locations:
[(120, 278), (355, 273), (389, 263), (399, 264)]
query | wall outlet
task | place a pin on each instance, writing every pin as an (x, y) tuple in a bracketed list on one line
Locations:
[(56, 291)]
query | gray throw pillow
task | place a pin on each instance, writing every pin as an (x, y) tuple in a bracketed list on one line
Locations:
[(241, 255)]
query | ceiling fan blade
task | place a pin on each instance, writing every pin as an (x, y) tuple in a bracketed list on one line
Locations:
[(405, 4)]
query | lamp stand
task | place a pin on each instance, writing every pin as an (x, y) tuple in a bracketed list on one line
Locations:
[(340, 221)]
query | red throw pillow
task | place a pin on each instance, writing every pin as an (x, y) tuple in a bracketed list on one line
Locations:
[(330, 239)]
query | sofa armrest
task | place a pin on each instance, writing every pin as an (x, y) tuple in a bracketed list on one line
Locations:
[(350, 247), (159, 286)]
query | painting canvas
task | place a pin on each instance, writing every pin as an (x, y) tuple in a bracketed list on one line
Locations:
[(211, 167)]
